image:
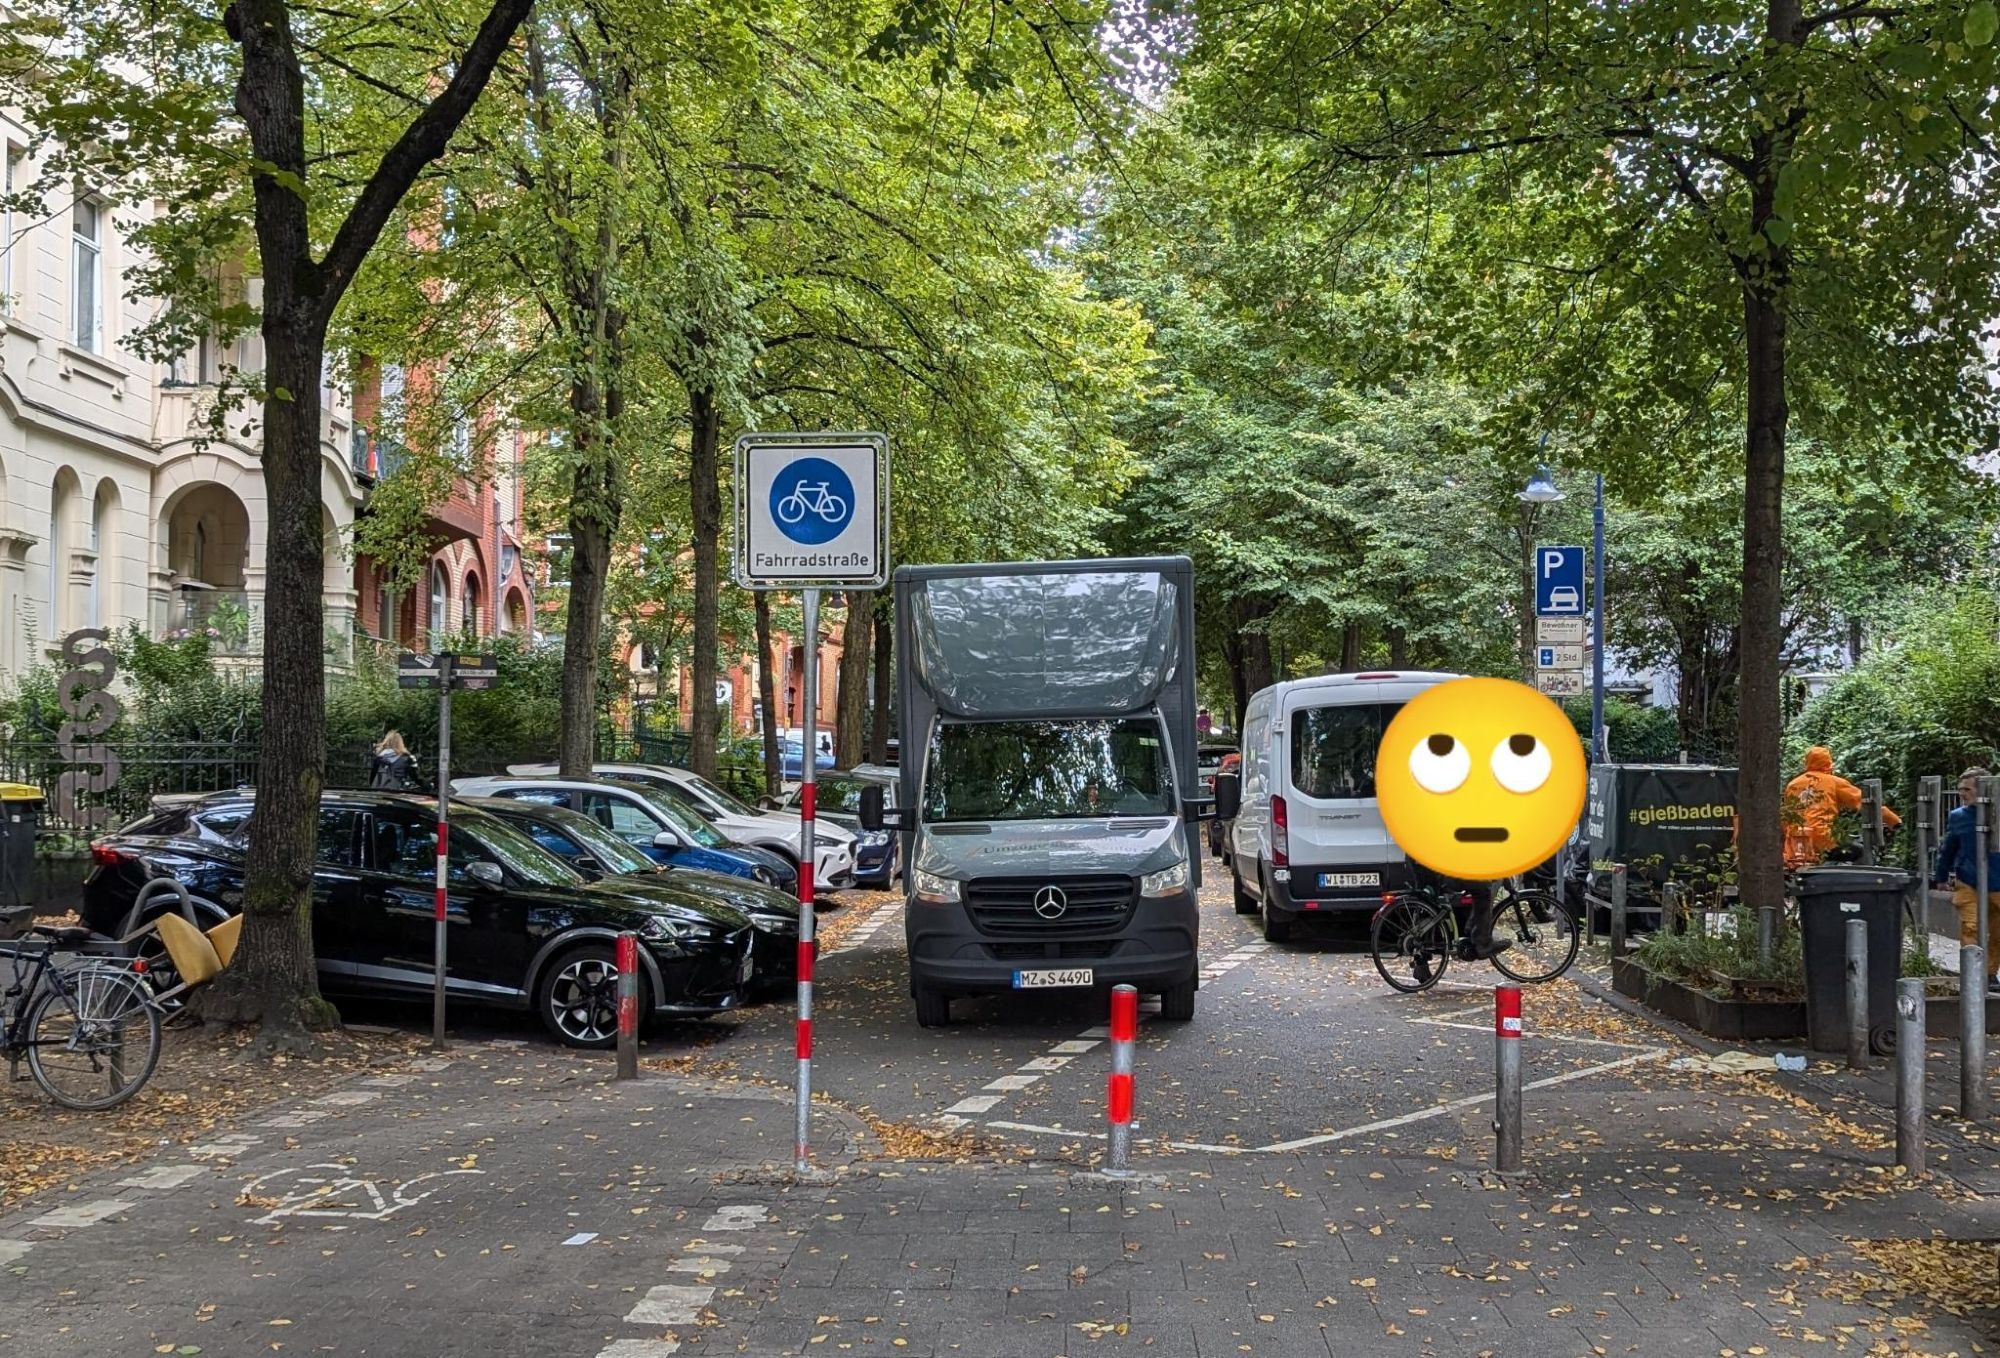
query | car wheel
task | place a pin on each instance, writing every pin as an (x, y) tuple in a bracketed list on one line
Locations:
[(933, 1007), (578, 996), (1246, 904), (1275, 930), (1177, 1002)]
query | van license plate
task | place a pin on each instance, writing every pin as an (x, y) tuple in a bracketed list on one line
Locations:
[(1328, 879), (1040, 980)]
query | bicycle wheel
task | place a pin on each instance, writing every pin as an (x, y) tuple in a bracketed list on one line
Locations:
[(1410, 944), (94, 1043), (1541, 936)]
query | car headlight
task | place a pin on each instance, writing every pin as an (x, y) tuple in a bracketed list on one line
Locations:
[(932, 889), (763, 875), (873, 839), (1167, 881), (666, 929)]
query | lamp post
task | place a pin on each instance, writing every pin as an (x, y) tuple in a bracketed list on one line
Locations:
[(1541, 490)]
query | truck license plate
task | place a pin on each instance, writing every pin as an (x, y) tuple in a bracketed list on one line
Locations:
[(1039, 980), (1328, 879)]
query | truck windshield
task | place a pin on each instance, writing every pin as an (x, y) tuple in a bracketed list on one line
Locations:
[(1047, 770)]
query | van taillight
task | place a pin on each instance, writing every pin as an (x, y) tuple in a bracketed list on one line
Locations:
[(107, 857), (1281, 839)]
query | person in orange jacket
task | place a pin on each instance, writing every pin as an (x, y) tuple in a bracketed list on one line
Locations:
[(1812, 800)]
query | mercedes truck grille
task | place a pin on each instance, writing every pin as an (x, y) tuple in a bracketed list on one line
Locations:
[(1046, 905)]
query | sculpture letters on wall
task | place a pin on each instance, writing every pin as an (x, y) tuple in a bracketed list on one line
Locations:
[(91, 711)]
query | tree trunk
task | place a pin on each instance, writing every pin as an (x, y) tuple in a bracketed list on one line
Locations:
[(885, 679), (1248, 653), (1350, 648), (1399, 649), (1854, 641), (593, 522), (851, 698), (705, 509), (767, 697)]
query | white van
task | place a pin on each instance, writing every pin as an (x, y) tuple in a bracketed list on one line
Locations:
[(1309, 837)]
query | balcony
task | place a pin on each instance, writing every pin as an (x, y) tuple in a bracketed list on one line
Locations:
[(373, 457)]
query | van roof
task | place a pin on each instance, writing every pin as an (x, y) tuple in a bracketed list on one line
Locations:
[(1423, 678)]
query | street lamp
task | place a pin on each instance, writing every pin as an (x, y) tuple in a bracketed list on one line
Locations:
[(1543, 490)]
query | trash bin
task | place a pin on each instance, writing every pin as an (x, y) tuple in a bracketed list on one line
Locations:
[(20, 819), (1828, 898)]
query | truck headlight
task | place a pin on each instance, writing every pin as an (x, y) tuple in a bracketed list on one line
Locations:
[(1168, 881), (932, 889)]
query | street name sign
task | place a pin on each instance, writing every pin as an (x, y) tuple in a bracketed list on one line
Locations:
[(1560, 683), (812, 511), (1558, 631), (1559, 657), (421, 670), (1559, 582)]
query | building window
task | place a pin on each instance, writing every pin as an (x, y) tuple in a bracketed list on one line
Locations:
[(7, 232), (58, 511), (558, 550), (440, 604), (385, 613), (471, 605), (86, 259)]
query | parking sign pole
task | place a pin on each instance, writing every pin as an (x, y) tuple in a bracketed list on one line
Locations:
[(443, 858), (809, 761)]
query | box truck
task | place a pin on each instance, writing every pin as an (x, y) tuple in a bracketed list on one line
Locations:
[(1048, 789)]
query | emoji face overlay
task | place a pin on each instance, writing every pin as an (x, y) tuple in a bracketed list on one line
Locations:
[(1480, 778)]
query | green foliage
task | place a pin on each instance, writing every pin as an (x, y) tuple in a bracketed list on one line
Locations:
[(1709, 958)]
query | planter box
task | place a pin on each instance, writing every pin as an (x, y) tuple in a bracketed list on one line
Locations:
[(1941, 1013), (1750, 1015)]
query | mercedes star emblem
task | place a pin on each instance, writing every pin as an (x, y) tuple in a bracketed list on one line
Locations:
[(1050, 902)]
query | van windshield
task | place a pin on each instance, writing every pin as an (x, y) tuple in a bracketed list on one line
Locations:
[(1333, 749), (1047, 770)]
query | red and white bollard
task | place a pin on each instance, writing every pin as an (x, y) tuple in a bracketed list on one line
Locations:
[(1124, 1034), (628, 1006), (1507, 1079)]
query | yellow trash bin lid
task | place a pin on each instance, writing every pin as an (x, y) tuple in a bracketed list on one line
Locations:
[(20, 792)]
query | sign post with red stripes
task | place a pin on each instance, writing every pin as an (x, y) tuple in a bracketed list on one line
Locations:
[(1507, 1078), (1118, 1100), (812, 513), (444, 668), (628, 1006)]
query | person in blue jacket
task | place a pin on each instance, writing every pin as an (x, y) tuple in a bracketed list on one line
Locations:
[(1958, 859)]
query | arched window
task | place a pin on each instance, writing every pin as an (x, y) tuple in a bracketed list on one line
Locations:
[(471, 605), (440, 603)]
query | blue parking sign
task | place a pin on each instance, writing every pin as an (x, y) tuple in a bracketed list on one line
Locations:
[(1558, 582)]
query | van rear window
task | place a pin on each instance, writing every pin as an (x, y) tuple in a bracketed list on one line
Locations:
[(1333, 749)]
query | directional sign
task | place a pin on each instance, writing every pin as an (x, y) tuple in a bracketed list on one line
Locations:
[(1559, 631), (416, 671), (1560, 683), (475, 671), (1559, 582), (1559, 657), (812, 511)]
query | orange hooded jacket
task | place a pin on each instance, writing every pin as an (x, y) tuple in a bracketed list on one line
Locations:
[(1812, 800)]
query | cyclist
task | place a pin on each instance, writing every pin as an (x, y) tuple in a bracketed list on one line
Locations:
[(1476, 929)]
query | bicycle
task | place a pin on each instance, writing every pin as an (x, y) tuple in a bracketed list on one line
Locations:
[(1415, 936), (89, 1031), (823, 504)]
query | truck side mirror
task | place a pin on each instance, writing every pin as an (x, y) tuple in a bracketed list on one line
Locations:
[(874, 815), (1228, 795)]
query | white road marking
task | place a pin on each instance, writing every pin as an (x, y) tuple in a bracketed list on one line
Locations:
[(736, 1218), (10, 1250), (978, 1103), (1010, 1083), (700, 1263), (1536, 1033), (670, 1304), (1099, 1136), (1046, 1063), (581, 1238), (1439, 1110), (348, 1098), (1075, 1047), (82, 1214), (390, 1081), (226, 1147), (160, 1178), (1100, 1032), (298, 1117), (641, 1348), (699, 1244)]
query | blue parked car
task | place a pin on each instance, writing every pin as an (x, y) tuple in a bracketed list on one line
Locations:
[(792, 760), (649, 820)]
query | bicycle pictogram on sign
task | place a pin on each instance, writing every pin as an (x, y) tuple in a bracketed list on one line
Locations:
[(812, 500)]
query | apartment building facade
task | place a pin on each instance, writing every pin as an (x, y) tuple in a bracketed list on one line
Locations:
[(119, 506)]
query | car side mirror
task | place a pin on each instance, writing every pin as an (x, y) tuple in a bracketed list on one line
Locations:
[(486, 874), (1228, 798), (667, 839)]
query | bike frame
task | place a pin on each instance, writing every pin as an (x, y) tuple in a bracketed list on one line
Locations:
[(37, 962)]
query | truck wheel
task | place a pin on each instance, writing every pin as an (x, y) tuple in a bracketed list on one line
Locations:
[(1177, 1002), (1275, 930), (933, 1007), (1246, 904)]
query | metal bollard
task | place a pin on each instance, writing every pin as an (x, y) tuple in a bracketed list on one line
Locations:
[(1507, 1079), (1910, 1074), (1975, 1103), (1124, 1034), (1618, 889), (1767, 934), (628, 1006), (1857, 994)]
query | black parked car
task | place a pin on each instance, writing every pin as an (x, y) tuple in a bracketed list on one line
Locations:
[(529, 932), (599, 855)]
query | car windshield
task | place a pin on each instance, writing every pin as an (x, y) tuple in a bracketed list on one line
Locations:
[(676, 813), (839, 796), (727, 801), (1047, 770), (1333, 749), (509, 847), (608, 849)]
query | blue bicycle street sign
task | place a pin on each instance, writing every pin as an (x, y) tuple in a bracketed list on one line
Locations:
[(1558, 581), (811, 500)]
